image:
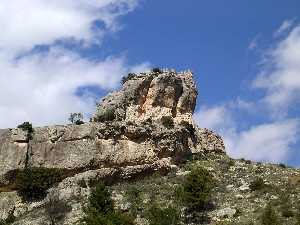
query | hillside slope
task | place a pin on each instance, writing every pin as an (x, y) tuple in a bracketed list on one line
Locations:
[(143, 144)]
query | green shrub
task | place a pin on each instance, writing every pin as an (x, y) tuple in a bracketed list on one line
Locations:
[(133, 195), (128, 77), (282, 165), (100, 210), (285, 206), (100, 200), (76, 118), (156, 70), (9, 220), (56, 209), (27, 127), (32, 183), (269, 216), (196, 189), (257, 184), (79, 122), (106, 115), (168, 122), (188, 126), (247, 161), (163, 216), (226, 163)]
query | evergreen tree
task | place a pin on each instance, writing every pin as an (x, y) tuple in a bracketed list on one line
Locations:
[(100, 210)]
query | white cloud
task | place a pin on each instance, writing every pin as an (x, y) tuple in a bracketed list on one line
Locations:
[(216, 118), (281, 76), (280, 81), (272, 142), (244, 105), (41, 86), (25, 24), (285, 26)]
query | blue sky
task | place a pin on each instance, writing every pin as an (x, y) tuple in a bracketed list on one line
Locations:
[(65, 55)]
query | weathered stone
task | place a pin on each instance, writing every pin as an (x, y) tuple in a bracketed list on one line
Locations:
[(244, 187), (152, 96), (226, 212), (145, 127), (13, 151), (8, 201)]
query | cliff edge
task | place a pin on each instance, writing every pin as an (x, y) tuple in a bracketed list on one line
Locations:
[(145, 127)]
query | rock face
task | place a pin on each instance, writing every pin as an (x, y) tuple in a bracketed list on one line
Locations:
[(152, 96), (145, 127)]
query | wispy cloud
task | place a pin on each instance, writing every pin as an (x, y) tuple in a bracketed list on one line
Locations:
[(285, 26), (254, 43), (26, 24), (41, 86), (279, 78), (271, 142)]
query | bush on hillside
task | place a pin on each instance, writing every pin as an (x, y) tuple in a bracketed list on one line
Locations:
[(269, 216), (133, 196), (282, 165), (100, 200), (257, 184), (128, 77), (156, 70), (163, 216), (56, 209), (106, 115), (188, 126), (9, 220), (27, 127), (196, 189), (32, 183), (100, 210), (76, 118), (285, 205), (167, 122)]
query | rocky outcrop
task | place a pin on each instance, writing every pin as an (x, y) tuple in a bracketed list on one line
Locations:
[(145, 127), (152, 96)]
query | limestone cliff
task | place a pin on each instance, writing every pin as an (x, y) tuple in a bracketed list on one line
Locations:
[(151, 96), (145, 127), (143, 143)]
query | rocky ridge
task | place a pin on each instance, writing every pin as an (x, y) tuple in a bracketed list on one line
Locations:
[(141, 140), (145, 127)]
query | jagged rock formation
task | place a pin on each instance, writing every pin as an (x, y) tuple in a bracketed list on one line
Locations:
[(152, 96), (145, 127), (127, 130)]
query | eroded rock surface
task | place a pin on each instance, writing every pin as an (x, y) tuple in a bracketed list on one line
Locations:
[(151, 96), (145, 127)]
